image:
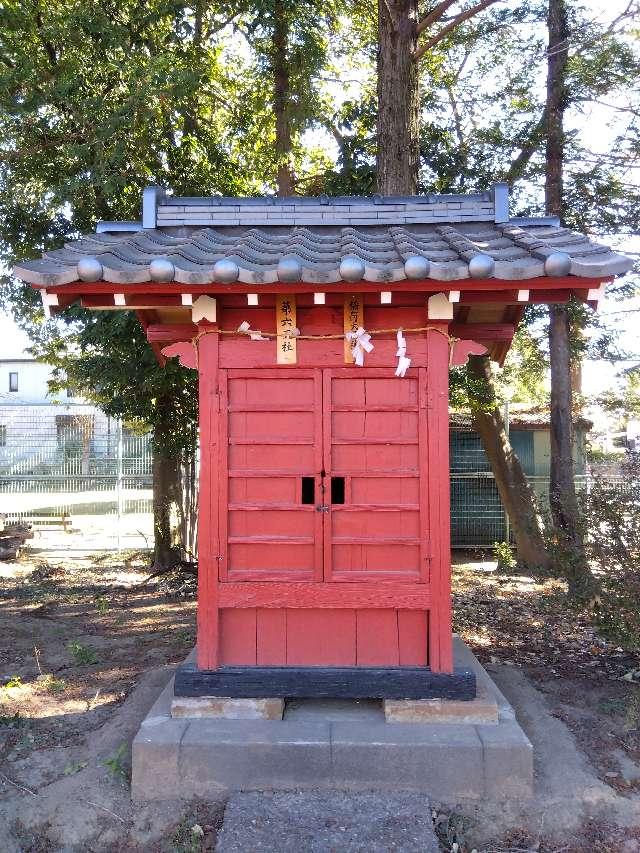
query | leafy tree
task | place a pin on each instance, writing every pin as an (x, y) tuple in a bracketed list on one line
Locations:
[(406, 35), (96, 100)]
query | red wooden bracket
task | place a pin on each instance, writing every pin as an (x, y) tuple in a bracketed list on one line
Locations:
[(461, 352), (186, 352)]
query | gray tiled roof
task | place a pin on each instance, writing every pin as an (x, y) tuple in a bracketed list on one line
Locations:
[(316, 254), (324, 240)]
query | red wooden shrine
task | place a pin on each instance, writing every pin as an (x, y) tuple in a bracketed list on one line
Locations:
[(324, 485)]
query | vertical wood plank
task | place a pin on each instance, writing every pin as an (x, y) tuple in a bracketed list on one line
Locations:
[(286, 321), (428, 536), (377, 638), (412, 638), (238, 637), (353, 317), (440, 638), (321, 637), (327, 467), (271, 637), (208, 528), (222, 567), (319, 480)]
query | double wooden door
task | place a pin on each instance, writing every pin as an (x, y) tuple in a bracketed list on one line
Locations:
[(323, 476)]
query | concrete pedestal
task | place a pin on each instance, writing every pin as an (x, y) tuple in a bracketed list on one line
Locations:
[(465, 752)]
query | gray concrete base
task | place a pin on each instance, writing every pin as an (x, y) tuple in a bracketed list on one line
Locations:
[(326, 744)]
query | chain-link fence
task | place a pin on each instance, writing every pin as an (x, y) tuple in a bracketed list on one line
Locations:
[(78, 471)]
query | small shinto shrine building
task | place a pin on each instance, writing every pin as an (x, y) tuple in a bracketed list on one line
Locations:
[(323, 330)]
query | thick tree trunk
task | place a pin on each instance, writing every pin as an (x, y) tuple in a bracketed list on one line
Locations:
[(557, 56), (281, 96), (513, 487), (398, 150), (166, 474), (562, 492)]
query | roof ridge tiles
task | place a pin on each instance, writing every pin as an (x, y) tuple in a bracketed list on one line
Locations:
[(451, 251)]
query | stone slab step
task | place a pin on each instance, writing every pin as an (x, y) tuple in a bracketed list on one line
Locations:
[(327, 822)]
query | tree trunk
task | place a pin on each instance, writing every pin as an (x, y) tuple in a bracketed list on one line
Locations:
[(562, 492), (513, 487), (166, 473), (557, 56), (398, 151), (281, 97), (190, 110)]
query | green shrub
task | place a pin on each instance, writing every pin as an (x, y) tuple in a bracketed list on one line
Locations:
[(504, 554), (82, 654), (611, 519)]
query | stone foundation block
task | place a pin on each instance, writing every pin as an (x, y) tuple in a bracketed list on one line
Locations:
[(227, 709), (481, 710)]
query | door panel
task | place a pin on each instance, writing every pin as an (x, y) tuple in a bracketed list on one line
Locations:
[(272, 449), (375, 459), (371, 426)]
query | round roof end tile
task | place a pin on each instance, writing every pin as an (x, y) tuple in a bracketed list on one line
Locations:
[(557, 264), (161, 269), (226, 271), (89, 269), (416, 267), (351, 268), (481, 266), (289, 269)]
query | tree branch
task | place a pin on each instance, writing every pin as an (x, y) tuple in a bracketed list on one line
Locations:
[(459, 19), (527, 151), (434, 15), (49, 48)]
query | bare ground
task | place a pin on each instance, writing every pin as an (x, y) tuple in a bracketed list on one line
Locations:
[(84, 652)]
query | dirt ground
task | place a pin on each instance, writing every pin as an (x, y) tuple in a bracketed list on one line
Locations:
[(84, 651)]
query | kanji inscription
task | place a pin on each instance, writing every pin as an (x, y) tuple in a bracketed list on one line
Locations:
[(353, 318), (285, 326)]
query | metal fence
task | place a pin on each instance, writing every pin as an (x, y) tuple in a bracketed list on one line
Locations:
[(57, 464)]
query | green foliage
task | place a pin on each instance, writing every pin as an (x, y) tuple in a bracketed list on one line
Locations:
[(503, 552), (101, 604), (82, 655), (52, 684), (611, 520), (117, 764), (14, 681)]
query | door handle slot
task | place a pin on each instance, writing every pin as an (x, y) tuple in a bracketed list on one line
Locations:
[(308, 490), (337, 490)]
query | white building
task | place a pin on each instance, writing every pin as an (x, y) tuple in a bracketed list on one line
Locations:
[(38, 428)]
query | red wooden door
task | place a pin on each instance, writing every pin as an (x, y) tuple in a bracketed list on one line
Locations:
[(375, 472), (324, 474), (270, 477), (323, 480)]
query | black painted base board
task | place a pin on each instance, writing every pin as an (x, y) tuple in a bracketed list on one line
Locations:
[(318, 682)]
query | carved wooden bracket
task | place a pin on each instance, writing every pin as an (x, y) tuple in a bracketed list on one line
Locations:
[(462, 350), (186, 352)]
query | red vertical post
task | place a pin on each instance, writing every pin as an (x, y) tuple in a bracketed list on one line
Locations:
[(208, 516), (440, 640)]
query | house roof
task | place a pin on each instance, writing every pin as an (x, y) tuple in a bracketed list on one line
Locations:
[(324, 240), (523, 419)]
